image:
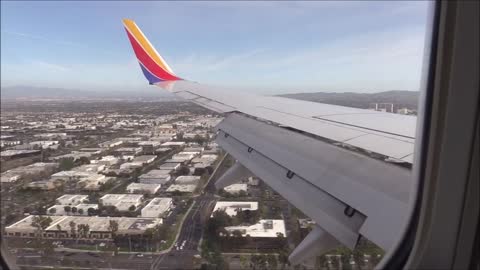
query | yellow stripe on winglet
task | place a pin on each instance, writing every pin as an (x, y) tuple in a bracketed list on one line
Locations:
[(147, 46)]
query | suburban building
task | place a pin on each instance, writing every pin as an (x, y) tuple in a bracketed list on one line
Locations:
[(93, 150), (231, 208), (165, 129), (122, 202), (265, 228), (44, 144), (9, 177), (35, 169), (4, 143), (129, 151), (71, 199), (150, 143), (106, 160), (236, 188), (99, 227), (170, 166), (181, 188), (145, 159), (196, 150), (93, 182), (79, 176), (187, 180), (7, 154), (173, 144), (143, 188), (42, 185), (161, 138), (157, 207), (95, 168), (130, 166), (253, 181), (203, 164), (155, 177), (59, 135), (111, 143), (74, 155), (183, 157)]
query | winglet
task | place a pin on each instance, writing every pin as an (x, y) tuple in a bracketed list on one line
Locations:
[(151, 62)]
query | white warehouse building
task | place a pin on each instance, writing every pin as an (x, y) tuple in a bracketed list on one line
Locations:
[(143, 188), (121, 201), (157, 207)]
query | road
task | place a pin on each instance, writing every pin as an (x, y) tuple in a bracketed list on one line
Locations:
[(192, 228)]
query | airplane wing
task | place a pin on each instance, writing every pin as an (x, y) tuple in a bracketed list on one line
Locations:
[(346, 168)]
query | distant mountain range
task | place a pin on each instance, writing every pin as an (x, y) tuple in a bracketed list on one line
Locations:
[(39, 93), (400, 98)]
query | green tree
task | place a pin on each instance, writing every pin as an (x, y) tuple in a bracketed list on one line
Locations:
[(113, 227), (41, 223), (320, 262), (132, 208), (74, 210), (243, 261), (52, 210), (72, 229), (183, 170), (83, 230), (84, 160), (91, 211), (66, 164), (272, 261), (80, 211), (237, 233), (283, 258), (199, 139), (375, 258), (67, 209)]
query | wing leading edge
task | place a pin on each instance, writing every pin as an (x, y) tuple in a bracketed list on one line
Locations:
[(338, 165)]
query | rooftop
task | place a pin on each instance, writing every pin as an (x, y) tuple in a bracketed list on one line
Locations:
[(236, 188), (156, 174), (264, 228), (96, 224), (173, 143), (122, 197), (187, 179), (181, 188), (157, 206), (144, 158), (146, 187), (231, 208)]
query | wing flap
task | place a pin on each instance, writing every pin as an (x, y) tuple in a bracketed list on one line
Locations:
[(319, 205), (324, 175)]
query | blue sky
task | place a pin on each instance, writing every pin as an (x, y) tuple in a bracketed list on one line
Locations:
[(266, 47)]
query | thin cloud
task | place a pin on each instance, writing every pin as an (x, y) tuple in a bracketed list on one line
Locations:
[(233, 60), (216, 63), (51, 66), (38, 37), (54, 41)]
